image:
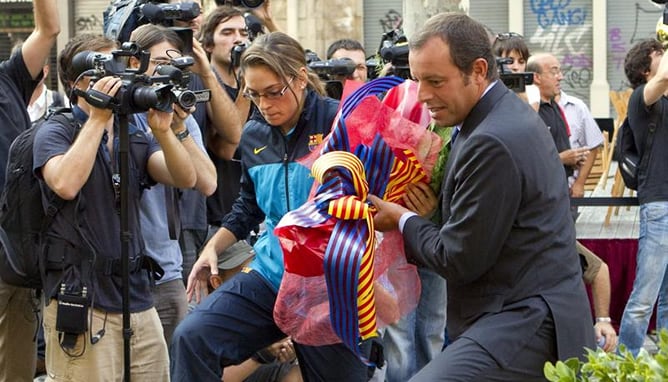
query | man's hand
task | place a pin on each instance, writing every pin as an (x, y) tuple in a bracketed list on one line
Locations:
[(283, 350), (574, 157), (159, 121), (109, 86), (577, 190), (605, 329), (201, 66), (263, 13), (179, 117), (421, 199), (387, 214)]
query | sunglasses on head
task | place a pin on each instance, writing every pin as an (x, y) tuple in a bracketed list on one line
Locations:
[(508, 35)]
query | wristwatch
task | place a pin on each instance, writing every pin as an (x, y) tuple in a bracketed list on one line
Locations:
[(603, 319), (182, 135)]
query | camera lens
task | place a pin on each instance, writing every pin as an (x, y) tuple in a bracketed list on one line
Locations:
[(251, 3), (147, 97), (186, 99)]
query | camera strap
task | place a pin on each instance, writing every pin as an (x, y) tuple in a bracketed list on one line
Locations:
[(173, 212)]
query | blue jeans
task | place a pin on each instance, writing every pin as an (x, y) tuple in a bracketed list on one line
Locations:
[(650, 282), (234, 322), (418, 337)]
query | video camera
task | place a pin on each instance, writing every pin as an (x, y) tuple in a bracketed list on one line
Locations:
[(139, 92), (254, 28), (514, 81), (333, 72), (393, 49), (177, 74), (124, 16), (241, 3)]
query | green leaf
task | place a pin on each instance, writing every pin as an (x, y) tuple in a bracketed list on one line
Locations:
[(550, 372)]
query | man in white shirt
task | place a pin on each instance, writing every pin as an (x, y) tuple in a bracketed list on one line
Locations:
[(584, 133)]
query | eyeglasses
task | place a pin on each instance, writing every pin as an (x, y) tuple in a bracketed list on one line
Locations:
[(255, 96), (508, 36), (160, 61), (555, 72)]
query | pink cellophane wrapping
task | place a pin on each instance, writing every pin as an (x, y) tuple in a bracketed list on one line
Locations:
[(302, 306)]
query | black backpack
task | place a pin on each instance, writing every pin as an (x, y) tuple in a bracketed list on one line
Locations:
[(628, 158), (22, 218)]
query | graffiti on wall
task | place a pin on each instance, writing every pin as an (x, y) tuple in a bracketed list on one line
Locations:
[(557, 12), (621, 39), (392, 20), (564, 29), (91, 23)]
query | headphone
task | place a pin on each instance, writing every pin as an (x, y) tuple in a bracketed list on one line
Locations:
[(98, 336)]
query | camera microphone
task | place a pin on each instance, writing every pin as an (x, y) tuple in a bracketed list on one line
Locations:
[(86, 61), (172, 72), (253, 25), (157, 13), (152, 12)]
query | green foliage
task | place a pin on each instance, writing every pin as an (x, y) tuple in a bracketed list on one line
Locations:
[(613, 367)]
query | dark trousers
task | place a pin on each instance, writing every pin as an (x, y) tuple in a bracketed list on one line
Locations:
[(465, 360), (234, 322)]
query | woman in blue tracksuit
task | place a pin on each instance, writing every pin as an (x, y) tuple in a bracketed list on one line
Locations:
[(237, 319)]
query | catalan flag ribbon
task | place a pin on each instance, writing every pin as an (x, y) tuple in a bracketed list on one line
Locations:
[(332, 236)]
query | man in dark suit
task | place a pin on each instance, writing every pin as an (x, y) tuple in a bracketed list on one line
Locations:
[(507, 245)]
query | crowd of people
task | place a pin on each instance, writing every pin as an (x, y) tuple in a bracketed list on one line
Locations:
[(492, 235)]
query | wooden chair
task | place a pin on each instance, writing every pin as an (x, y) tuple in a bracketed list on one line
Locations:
[(620, 101), (597, 173)]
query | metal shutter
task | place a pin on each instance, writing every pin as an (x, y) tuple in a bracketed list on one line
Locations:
[(565, 30), (88, 16), (380, 16), (494, 14), (628, 23)]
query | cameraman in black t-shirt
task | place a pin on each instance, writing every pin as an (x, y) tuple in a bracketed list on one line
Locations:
[(19, 75)]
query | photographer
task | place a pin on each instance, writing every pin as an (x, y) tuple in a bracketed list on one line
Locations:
[(393, 51), (220, 123), (512, 47), (194, 24), (353, 50), (80, 165), (20, 74), (169, 292), (224, 29)]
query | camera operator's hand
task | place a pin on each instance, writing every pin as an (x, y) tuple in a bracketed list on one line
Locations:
[(263, 13), (160, 122), (108, 86), (201, 66), (179, 117)]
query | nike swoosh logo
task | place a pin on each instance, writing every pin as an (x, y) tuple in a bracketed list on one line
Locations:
[(258, 150)]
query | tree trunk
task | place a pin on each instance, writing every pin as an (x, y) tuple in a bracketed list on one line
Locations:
[(416, 12)]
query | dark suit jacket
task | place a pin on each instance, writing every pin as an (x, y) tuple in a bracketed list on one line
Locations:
[(507, 247)]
